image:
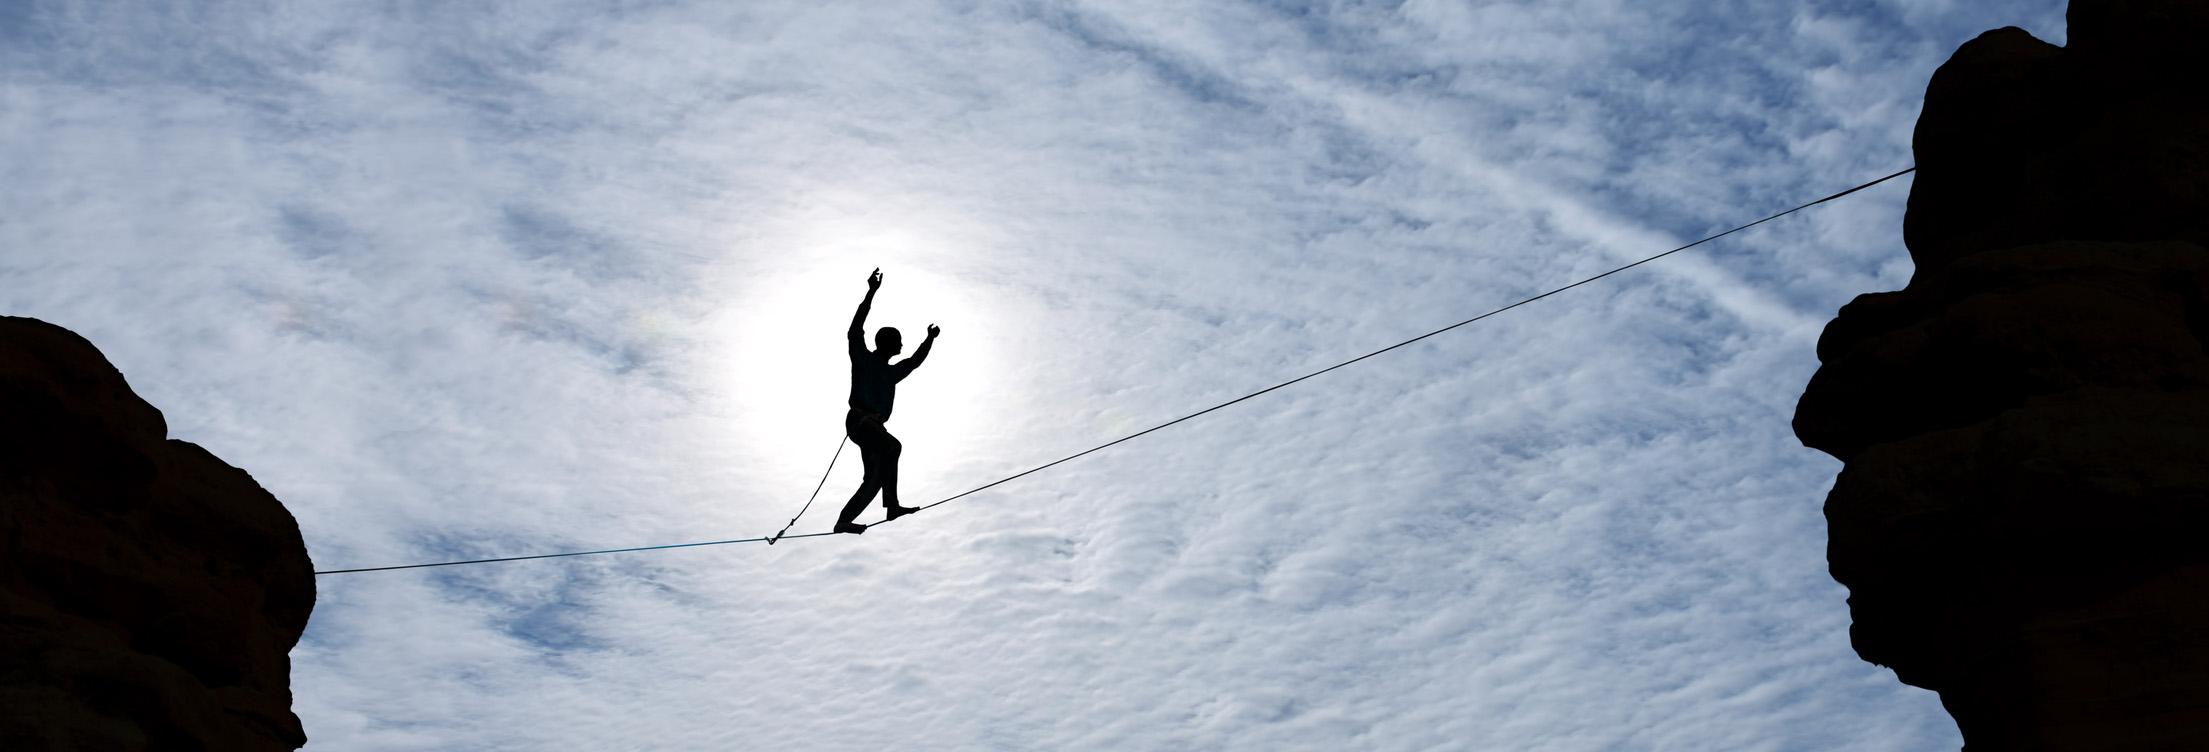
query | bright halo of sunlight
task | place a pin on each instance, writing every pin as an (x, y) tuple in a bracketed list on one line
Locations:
[(788, 374)]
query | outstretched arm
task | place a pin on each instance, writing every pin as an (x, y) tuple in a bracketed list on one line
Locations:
[(858, 333), (921, 353)]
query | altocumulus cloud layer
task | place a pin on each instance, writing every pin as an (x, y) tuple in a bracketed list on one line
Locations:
[(461, 280)]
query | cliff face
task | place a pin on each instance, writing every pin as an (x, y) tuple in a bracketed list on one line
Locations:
[(2022, 142), (149, 593), (2023, 518)]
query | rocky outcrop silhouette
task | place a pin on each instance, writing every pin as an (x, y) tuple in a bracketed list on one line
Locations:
[(2023, 517), (149, 593)]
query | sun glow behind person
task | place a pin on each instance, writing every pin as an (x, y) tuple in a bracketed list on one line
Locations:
[(788, 374)]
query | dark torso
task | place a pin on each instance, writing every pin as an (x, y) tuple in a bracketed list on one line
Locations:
[(874, 382)]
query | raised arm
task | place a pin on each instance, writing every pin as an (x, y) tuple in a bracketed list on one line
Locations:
[(919, 353), (858, 332)]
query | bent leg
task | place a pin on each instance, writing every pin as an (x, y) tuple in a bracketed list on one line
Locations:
[(879, 451), (859, 501), (891, 450)]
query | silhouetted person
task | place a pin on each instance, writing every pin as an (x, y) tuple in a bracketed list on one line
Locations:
[(873, 389)]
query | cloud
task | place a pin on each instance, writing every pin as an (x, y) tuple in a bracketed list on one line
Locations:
[(490, 280)]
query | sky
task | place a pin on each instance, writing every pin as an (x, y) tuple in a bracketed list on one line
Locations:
[(470, 280)]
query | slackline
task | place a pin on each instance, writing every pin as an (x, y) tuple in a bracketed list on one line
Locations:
[(1123, 439)]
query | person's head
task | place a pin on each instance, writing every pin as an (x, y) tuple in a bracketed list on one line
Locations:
[(888, 342)]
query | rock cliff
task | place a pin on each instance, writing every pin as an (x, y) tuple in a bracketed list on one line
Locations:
[(2023, 517), (149, 593)]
